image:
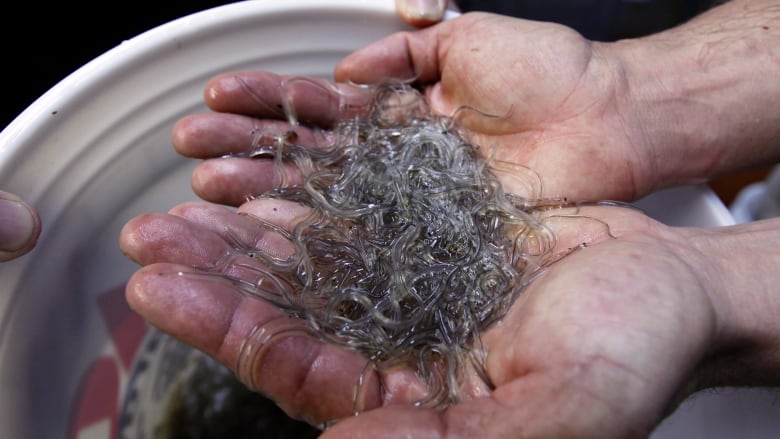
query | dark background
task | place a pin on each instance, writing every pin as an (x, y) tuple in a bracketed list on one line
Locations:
[(43, 42)]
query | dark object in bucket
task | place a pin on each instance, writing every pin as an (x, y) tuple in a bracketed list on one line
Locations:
[(212, 403), (177, 392)]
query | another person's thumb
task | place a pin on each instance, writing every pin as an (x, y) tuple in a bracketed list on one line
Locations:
[(20, 227), (421, 13)]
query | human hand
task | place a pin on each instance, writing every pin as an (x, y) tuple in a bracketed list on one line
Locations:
[(681, 106), (594, 120), (554, 97), (560, 104), (20, 227), (601, 345)]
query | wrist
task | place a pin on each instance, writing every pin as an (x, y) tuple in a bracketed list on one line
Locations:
[(741, 276), (702, 98)]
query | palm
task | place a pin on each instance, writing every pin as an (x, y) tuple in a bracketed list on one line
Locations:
[(592, 335)]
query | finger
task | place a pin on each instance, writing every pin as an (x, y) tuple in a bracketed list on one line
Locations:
[(285, 214), (20, 227), (206, 236), (242, 232), (154, 237), (421, 13), (214, 240), (218, 134), (232, 181), (267, 95), (241, 229), (403, 55), (232, 178)]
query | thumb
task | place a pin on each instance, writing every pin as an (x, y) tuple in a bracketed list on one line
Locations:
[(404, 55)]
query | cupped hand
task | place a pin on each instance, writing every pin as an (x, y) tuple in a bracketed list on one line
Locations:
[(586, 351), (533, 94)]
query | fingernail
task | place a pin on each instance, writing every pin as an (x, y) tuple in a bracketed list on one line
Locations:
[(17, 224), (429, 10)]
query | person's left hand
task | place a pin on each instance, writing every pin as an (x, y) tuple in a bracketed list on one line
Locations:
[(599, 346), (531, 94)]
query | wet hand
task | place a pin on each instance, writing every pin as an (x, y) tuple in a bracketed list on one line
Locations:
[(585, 351)]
